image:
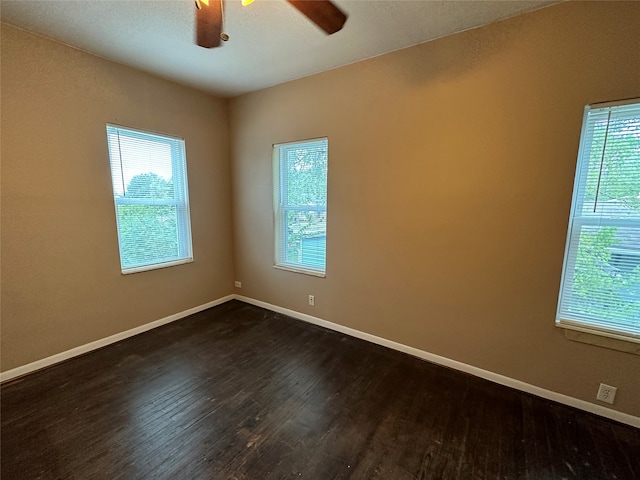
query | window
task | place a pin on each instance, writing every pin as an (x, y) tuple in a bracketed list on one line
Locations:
[(600, 290), (300, 200), (149, 176)]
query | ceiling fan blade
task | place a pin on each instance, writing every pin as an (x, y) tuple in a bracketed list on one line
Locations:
[(323, 13), (208, 23)]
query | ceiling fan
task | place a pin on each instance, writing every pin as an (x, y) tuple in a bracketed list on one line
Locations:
[(209, 18)]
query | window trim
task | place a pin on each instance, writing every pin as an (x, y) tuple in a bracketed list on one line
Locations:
[(575, 223), (181, 199), (279, 211)]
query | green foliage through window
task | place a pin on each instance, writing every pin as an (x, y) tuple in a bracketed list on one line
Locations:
[(301, 209), (150, 195), (601, 277)]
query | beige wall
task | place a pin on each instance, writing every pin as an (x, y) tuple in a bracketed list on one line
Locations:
[(450, 176), (61, 280)]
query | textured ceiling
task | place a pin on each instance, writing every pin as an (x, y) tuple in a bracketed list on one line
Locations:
[(270, 42)]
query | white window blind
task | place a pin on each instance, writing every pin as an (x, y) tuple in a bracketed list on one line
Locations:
[(300, 201), (600, 290), (149, 177)]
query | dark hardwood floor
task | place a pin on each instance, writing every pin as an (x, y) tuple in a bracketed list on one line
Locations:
[(238, 392)]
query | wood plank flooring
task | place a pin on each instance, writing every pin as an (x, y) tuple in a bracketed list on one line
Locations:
[(238, 392)]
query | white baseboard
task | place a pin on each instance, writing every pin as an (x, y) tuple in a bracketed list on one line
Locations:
[(447, 362), (437, 359), (74, 352)]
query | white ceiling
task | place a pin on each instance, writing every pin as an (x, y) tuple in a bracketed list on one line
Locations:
[(270, 42)]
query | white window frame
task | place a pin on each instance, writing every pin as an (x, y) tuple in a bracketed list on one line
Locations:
[(281, 208), (580, 322), (180, 200)]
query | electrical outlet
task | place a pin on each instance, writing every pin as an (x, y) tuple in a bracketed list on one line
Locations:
[(238, 284), (312, 300), (606, 393)]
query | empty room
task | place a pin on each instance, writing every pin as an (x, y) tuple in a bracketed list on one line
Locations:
[(320, 239)]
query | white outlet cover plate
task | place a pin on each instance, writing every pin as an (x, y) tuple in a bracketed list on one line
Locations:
[(606, 393)]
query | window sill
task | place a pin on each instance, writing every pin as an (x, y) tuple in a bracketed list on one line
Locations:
[(578, 334), (156, 266), (301, 270)]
